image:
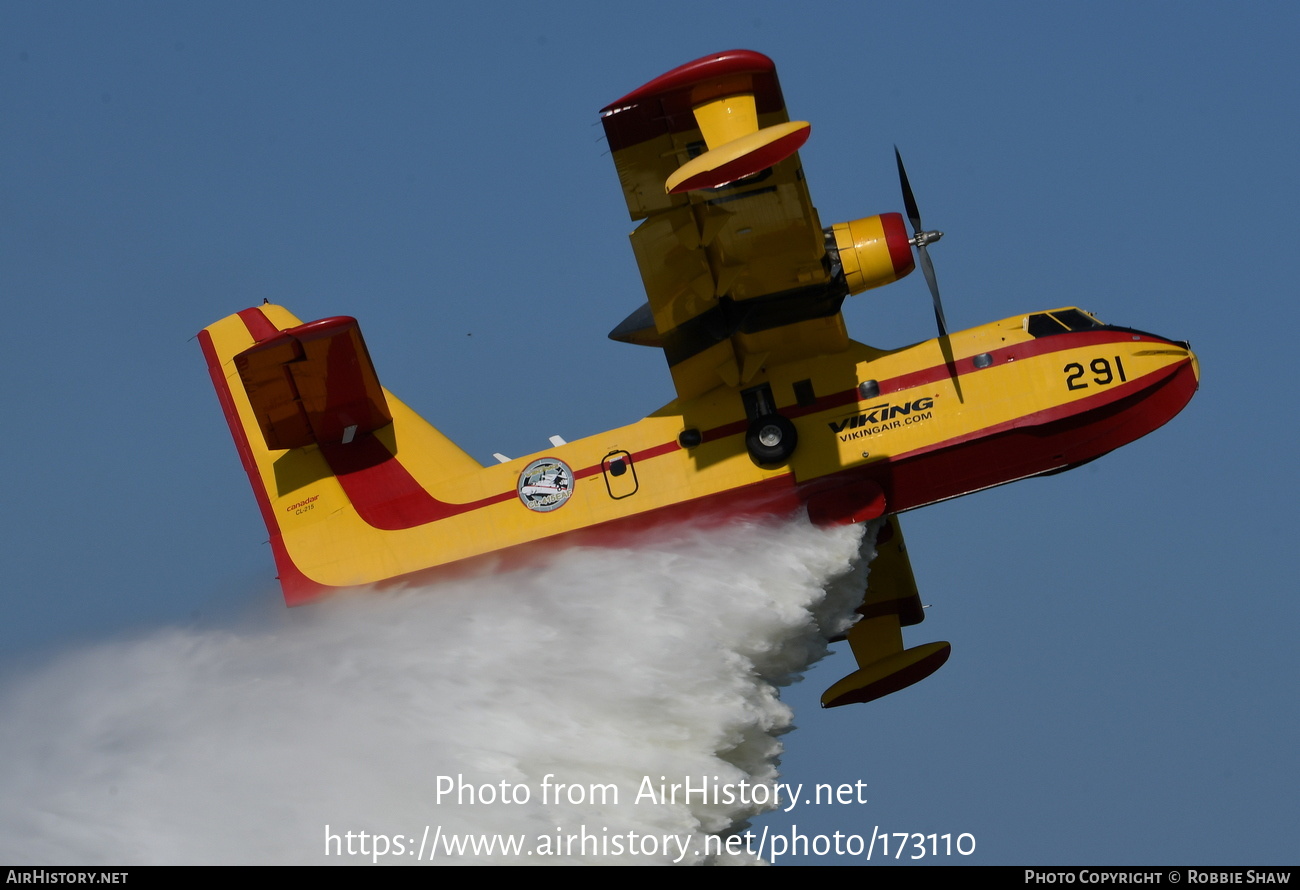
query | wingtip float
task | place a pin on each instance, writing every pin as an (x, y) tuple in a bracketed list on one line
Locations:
[(777, 410)]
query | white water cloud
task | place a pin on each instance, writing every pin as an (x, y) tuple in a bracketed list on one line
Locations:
[(601, 669)]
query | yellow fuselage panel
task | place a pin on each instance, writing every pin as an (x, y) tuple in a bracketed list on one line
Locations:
[(345, 519)]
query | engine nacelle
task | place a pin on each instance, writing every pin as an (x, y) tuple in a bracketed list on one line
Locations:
[(873, 251)]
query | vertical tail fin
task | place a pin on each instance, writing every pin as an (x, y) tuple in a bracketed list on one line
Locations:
[(319, 438)]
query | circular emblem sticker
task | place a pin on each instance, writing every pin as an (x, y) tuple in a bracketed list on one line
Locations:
[(545, 484)]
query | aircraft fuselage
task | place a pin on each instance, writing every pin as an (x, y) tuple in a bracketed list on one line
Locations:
[(878, 432)]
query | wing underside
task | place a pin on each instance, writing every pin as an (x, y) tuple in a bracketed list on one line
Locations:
[(730, 247)]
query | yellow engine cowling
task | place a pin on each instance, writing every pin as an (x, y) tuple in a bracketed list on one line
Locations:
[(873, 251)]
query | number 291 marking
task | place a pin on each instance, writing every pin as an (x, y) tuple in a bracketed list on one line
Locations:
[(1101, 369)]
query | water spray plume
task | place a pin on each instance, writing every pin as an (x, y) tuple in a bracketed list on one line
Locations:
[(374, 712)]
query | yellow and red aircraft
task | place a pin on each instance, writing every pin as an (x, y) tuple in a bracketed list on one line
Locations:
[(777, 410)]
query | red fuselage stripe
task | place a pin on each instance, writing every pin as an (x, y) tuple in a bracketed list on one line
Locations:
[(910, 481), (387, 497)]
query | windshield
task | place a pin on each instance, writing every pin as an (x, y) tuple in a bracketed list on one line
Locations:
[(1060, 321)]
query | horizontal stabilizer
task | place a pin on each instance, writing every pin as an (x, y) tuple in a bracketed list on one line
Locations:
[(313, 384)]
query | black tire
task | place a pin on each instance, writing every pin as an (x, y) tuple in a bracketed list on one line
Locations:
[(771, 440)]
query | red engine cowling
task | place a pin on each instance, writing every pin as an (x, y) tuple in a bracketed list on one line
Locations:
[(874, 250)]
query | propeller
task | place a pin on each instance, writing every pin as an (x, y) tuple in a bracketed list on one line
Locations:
[(920, 238)]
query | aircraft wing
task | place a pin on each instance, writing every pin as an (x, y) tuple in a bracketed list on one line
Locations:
[(730, 247)]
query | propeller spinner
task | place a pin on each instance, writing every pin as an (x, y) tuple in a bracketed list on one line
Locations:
[(920, 238)]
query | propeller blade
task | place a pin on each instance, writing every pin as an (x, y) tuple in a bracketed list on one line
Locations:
[(920, 238), (909, 200), (928, 268)]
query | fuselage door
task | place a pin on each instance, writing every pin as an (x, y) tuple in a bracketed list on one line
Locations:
[(620, 474)]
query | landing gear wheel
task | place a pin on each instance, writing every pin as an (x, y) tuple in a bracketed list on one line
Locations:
[(771, 440)]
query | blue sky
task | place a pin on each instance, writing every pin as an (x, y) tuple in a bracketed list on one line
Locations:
[(1122, 681)]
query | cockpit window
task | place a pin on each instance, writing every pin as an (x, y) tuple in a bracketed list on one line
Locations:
[(1045, 324), (1042, 325), (1076, 320)]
